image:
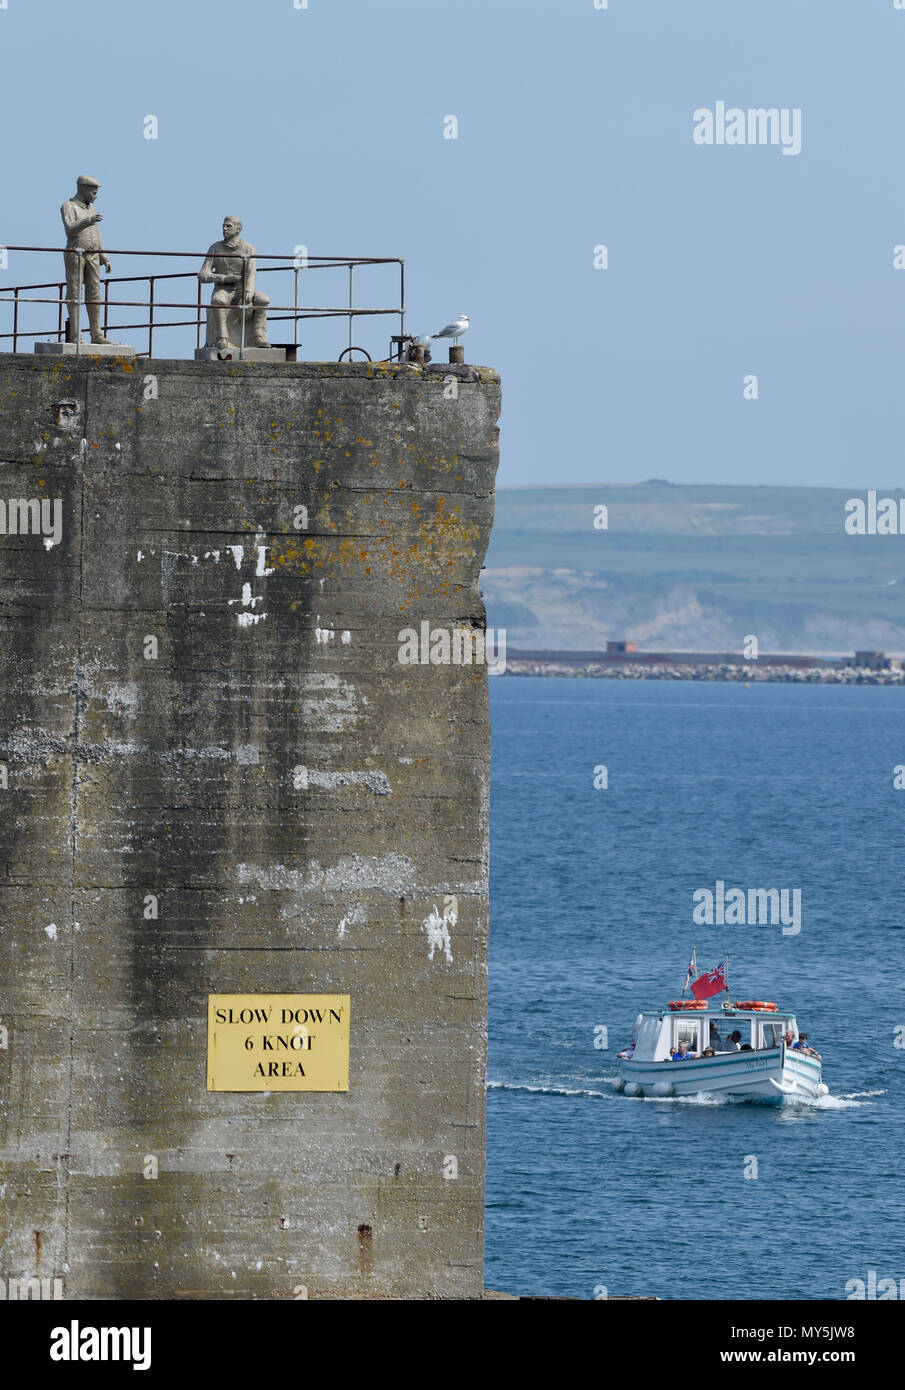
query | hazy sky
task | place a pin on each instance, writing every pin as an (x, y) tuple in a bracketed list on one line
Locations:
[(325, 127)]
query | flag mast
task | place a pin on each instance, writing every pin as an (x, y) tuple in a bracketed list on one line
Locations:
[(728, 999), (692, 969)]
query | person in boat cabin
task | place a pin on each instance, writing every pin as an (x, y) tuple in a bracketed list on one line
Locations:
[(788, 1038), (681, 1053), (708, 1052), (715, 1035), (733, 1042)]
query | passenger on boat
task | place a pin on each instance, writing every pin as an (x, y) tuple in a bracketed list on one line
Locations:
[(708, 1052), (627, 1051), (733, 1042), (804, 1046), (715, 1035), (681, 1053), (788, 1038)]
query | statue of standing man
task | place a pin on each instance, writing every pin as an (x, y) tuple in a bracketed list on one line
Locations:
[(83, 258), (231, 265)]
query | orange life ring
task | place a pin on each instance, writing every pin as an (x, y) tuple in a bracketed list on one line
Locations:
[(763, 1005), (680, 1005)]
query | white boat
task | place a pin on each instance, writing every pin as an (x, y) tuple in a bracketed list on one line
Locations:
[(766, 1067)]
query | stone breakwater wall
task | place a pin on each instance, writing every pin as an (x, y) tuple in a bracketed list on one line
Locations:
[(216, 777), (797, 675)]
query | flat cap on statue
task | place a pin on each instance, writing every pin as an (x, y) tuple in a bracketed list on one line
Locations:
[(86, 181)]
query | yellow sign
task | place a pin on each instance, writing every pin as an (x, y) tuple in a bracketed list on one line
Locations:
[(278, 1042)]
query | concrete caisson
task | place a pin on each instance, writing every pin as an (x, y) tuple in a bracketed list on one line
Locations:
[(220, 779)]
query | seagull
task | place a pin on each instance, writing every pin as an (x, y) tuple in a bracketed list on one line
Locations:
[(454, 330)]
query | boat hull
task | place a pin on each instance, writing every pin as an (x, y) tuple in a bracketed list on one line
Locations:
[(774, 1074)]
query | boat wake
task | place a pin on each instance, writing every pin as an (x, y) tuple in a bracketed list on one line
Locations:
[(844, 1102), (847, 1101), (852, 1099), (546, 1090)]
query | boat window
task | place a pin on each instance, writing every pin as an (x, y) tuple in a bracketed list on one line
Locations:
[(688, 1032), (772, 1033)]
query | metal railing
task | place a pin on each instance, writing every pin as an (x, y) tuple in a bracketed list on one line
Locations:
[(19, 296)]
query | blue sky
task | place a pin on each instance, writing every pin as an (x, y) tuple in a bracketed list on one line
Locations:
[(324, 127)]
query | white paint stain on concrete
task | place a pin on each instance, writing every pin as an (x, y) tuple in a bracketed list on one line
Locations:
[(376, 782), (346, 638), (262, 568), (248, 600), (329, 704), (248, 753), (437, 929), (238, 554), (125, 697), (51, 931), (353, 918), (391, 873)]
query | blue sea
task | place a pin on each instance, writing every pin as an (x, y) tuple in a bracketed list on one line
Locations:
[(785, 786)]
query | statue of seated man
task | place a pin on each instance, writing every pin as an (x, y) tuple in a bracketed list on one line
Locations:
[(223, 266)]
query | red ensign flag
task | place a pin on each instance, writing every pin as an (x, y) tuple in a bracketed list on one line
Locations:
[(710, 983)]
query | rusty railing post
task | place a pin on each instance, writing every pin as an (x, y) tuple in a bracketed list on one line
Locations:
[(351, 301), (78, 303), (242, 333), (151, 279)]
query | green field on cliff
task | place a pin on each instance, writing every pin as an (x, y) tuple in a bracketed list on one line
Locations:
[(692, 568)]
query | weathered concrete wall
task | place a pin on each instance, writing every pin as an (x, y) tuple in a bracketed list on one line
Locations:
[(130, 776)]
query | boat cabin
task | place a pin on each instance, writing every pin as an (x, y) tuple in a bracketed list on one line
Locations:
[(657, 1035)]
